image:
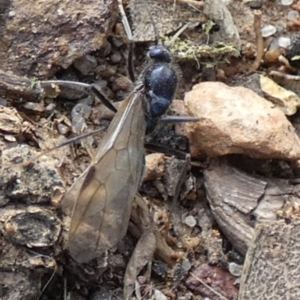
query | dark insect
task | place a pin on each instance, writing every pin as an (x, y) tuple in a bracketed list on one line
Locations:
[(100, 200)]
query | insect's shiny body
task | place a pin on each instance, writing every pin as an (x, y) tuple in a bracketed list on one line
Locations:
[(100, 200), (160, 82)]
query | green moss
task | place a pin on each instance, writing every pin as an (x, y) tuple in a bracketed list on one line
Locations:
[(203, 54)]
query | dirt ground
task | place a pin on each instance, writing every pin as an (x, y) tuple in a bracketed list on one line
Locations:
[(189, 234)]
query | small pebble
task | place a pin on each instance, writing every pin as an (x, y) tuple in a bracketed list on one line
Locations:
[(273, 55), (186, 265), (60, 12), (116, 57), (33, 28), (274, 44), (3, 102), (284, 42), (11, 14), (255, 4), (9, 138), (81, 110), (158, 295), (79, 113), (268, 30), (50, 107), (235, 269), (107, 49), (190, 221), (226, 2), (292, 15), (286, 2), (86, 64), (122, 83), (63, 129), (117, 41)]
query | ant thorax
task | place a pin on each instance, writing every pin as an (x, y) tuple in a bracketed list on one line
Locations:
[(160, 82)]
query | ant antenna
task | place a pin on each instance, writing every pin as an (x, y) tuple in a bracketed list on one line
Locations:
[(130, 36), (130, 39)]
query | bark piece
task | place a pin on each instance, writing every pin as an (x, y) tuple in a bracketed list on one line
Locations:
[(232, 195), (271, 269), (238, 200), (40, 37), (235, 120), (38, 183), (168, 18), (19, 88), (33, 227), (21, 271)]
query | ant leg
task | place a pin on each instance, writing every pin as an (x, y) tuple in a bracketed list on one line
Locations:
[(178, 119), (95, 89), (91, 89)]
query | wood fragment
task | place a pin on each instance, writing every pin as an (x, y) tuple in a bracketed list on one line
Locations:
[(238, 201), (143, 251), (19, 89), (271, 269)]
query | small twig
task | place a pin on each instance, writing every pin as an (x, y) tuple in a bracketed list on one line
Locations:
[(207, 286), (285, 76), (285, 62), (180, 31), (197, 4), (17, 88), (259, 40)]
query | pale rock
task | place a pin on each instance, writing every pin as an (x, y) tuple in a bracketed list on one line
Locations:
[(155, 166), (235, 120), (190, 221), (158, 295), (235, 269), (286, 100)]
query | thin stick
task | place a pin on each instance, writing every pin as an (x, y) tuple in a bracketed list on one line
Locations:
[(259, 40), (207, 286), (285, 62), (285, 76), (181, 30), (125, 21), (197, 4)]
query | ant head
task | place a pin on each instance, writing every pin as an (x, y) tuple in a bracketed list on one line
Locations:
[(159, 53)]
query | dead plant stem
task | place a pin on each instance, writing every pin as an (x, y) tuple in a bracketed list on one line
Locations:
[(259, 39)]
